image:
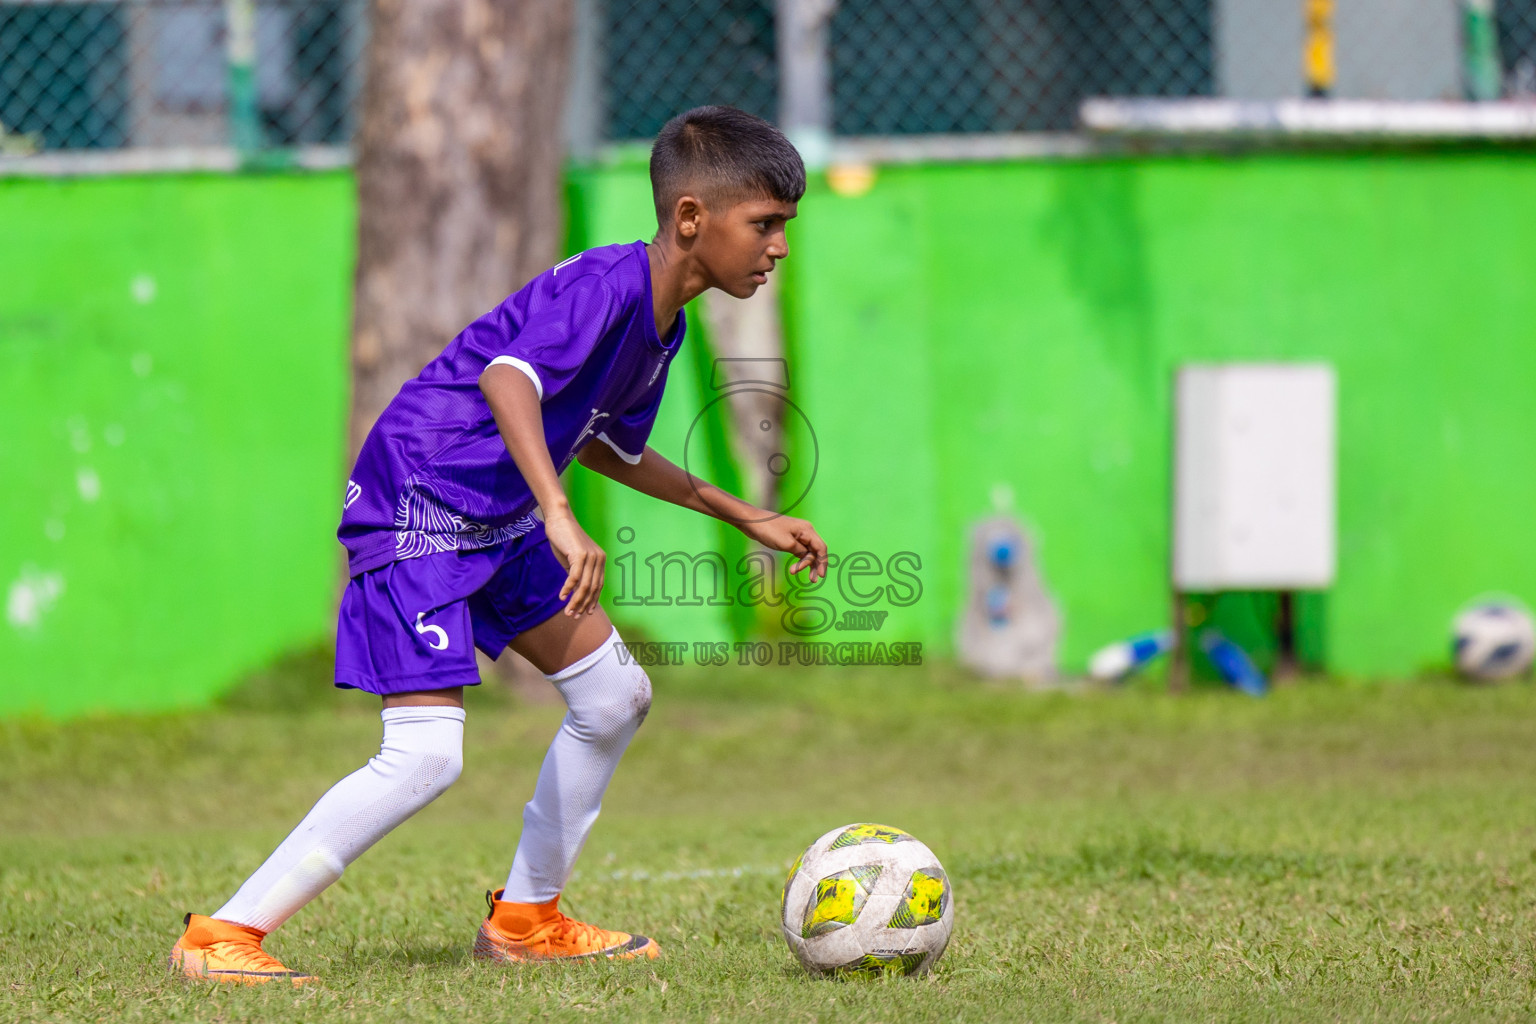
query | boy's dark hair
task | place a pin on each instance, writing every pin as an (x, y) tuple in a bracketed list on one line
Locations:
[(724, 156)]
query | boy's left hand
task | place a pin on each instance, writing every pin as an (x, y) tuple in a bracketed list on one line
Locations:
[(796, 536)]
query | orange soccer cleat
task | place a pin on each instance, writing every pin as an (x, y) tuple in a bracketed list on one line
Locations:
[(223, 951), (519, 932)]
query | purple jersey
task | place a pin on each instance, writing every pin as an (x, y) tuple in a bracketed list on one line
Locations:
[(434, 474)]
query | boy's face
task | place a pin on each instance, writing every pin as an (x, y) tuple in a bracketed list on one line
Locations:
[(739, 246)]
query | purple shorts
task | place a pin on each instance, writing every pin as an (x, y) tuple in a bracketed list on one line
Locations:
[(414, 624)]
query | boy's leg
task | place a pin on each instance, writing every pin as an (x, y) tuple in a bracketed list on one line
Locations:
[(420, 757), (606, 700), (405, 637)]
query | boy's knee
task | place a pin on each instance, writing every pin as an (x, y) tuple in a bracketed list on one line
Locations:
[(442, 762), (428, 775), (618, 711), (423, 760), (447, 772), (628, 706)]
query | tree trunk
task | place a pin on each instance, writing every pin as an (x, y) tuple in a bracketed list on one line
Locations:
[(458, 176), (459, 159)]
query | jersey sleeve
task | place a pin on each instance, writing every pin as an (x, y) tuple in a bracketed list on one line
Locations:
[(560, 335), (628, 432)]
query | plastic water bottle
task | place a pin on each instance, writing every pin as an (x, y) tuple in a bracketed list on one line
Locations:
[(1233, 663), (1119, 660), (999, 605)]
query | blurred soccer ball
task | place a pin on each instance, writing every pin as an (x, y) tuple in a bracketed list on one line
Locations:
[(1494, 640), (867, 899)]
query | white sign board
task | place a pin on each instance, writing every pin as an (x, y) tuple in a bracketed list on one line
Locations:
[(1254, 477)]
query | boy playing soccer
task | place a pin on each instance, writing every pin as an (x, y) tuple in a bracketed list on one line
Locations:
[(446, 553)]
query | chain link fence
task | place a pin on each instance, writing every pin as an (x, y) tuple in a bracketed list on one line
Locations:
[(901, 68), (124, 74), (658, 57), (159, 73)]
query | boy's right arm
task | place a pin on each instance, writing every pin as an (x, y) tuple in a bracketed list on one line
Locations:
[(515, 404)]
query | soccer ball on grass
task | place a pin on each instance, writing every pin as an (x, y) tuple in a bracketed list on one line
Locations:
[(1494, 639), (867, 899)]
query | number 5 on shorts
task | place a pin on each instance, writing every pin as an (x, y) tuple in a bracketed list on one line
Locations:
[(425, 629)]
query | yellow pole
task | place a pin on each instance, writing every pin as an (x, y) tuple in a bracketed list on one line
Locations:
[(1317, 51)]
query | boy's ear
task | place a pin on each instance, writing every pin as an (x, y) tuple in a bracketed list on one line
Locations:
[(687, 214)]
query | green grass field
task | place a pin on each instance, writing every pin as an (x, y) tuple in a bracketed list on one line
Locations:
[(1330, 853)]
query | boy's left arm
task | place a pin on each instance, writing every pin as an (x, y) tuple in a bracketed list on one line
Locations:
[(661, 478)]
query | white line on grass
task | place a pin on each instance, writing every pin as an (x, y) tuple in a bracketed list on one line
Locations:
[(637, 875)]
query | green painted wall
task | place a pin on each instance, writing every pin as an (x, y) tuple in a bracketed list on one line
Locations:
[(173, 366), (172, 354), (962, 327)]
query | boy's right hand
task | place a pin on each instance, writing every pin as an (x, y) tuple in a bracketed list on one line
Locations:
[(582, 558)]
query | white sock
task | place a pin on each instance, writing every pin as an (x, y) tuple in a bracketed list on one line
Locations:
[(421, 756), (607, 701)]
